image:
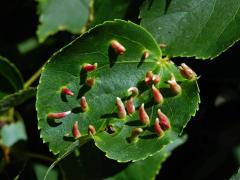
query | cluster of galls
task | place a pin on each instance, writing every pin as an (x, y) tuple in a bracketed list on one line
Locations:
[(119, 49), (83, 103), (161, 123)]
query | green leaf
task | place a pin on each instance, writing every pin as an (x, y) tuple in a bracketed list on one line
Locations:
[(114, 75), (203, 29), (12, 133), (16, 98), (10, 72), (59, 15), (28, 45), (148, 168), (179, 110), (102, 13)]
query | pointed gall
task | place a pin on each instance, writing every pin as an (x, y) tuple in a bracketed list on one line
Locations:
[(91, 130), (133, 91), (157, 128), (90, 82), (75, 131), (130, 106), (117, 47), (83, 103), (58, 115), (174, 86), (67, 91), (135, 134), (149, 77), (158, 98), (146, 54), (121, 109), (156, 79), (187, 72), (163, 120), (90, 67), (143, 116), (162, 45)]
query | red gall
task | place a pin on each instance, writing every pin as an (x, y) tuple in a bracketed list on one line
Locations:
[(91, 130), (149, 77), (67, 91), (133, 91), (130, 106), (90, 67), (90, 82), (158, 98), (58, 115), (174, 86), (157, 128), (163, 120), (156, 79), (117, 47), (75, 131), (83, 103), (146, 54), (187, 72), (143, 116), (121, 109)]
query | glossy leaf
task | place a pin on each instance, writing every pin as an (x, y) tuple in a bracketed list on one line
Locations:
[(203, 29), (10, 72), (61, 15), (113, 76), (16, 98)]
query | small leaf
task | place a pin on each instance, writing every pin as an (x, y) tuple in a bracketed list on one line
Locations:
[(10, 72), (148, 168), (203, 29), (115, 72), (16, 98), (55, 15), (12, 133)]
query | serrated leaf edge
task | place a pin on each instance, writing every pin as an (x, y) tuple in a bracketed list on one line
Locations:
[(56, 152)]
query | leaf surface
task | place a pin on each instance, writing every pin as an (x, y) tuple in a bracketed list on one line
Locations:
[(55, 15), (114, 75), (203, 29)]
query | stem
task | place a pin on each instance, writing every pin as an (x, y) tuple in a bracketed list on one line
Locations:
[(41, 157), (34, 77)]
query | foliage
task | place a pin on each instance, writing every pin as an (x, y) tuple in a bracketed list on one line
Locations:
[(112, 103), (188, 28)]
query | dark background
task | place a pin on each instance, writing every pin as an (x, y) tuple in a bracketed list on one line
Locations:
[(209, 153)]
